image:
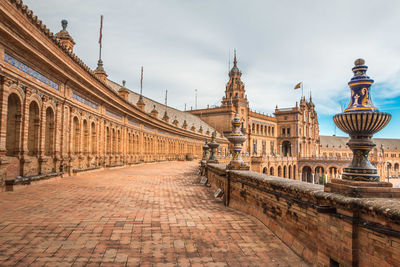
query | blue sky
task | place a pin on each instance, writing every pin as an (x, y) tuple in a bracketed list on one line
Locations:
[(185, 45)]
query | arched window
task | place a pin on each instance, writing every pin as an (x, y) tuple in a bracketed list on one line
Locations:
[(75, 135), (119, 141), (108, 141), (33, 129), (306, 174), (279, 171), (49, 132), (290, 172), (85, 143), (114, 142), (93, 138), (271, 171), (294, 172), (284, 172), (13, 125), (286, 149)]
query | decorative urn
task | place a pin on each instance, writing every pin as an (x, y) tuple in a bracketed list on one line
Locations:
[(213, 145), (237, 139), (206, 151), (361, 120)]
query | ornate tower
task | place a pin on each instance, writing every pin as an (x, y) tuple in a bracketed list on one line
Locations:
[(235, 91)]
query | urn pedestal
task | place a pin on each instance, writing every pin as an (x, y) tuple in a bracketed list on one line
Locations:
[(213, 145), (361, 120), (237, 139)]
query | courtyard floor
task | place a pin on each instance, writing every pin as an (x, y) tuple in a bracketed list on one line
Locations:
[(145, 215)]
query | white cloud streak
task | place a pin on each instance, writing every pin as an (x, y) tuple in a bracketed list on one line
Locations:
[(183, 46)]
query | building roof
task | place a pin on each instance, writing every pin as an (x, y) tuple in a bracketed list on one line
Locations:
[(339, 141), (173, 113)]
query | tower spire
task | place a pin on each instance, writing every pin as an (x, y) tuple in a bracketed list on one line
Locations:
[(234, 59)]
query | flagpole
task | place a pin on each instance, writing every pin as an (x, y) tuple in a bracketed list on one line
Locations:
[(141, 81), (101, 35), (195, 98)]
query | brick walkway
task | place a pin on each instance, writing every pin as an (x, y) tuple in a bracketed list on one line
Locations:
[(147, 215)]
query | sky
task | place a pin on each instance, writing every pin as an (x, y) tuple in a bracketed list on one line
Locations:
[(185, 45)]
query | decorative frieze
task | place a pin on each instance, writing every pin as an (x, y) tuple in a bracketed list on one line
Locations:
[(114, 115), (22, 67), (131, 121), (84, 101)]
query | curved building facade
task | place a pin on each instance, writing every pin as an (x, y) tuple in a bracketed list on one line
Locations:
[(59, 116)]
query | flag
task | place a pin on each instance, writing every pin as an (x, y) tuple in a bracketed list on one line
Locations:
[(101, 29), (299, 85)]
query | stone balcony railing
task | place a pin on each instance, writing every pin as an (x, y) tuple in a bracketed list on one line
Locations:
[(325, 229)]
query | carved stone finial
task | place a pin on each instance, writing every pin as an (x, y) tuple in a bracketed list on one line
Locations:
[(213, 145), (237, 139), (64, 24), (359, 62)]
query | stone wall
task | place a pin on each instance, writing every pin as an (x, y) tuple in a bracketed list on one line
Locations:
[(323, 228)]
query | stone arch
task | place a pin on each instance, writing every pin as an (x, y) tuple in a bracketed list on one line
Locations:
[(33, 128), (332, 171), (290, 172), (14, 122), (306, 173), (284, 171), (15, 89), (279, 171), (49, 132), (35, 97), (265, 170), (271, 171), (319, 172), (396, 167)]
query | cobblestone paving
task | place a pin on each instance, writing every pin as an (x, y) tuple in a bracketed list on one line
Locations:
[(146, 215)]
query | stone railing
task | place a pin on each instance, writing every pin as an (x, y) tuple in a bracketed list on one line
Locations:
[(325, 229)]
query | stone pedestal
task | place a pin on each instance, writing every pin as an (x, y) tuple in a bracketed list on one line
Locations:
[(362, 189)]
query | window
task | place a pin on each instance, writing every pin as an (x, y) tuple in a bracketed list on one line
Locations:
[(33, 129), (13, 125)]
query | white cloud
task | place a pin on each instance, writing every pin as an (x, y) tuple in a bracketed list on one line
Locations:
[(183, 45)]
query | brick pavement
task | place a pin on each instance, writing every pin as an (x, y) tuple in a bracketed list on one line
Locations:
[(146, 215)]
